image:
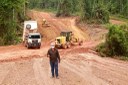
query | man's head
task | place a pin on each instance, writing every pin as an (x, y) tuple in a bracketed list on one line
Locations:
[(52, 45)]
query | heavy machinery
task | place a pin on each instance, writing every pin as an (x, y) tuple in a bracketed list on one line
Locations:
[(31, 37), (45, 23), (66, 39)]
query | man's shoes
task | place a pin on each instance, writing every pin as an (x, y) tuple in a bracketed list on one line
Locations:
[(57, 77), (52, 76)]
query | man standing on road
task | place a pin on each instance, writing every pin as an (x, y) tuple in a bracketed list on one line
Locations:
[(54, 57)]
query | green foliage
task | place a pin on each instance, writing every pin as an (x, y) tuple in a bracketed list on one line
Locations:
[(94, 10), (124, 58), (62, 7), (101, 14), (97, 10), (116, 42), (103, 51), (9, 13), (43, 4), (117, 7)]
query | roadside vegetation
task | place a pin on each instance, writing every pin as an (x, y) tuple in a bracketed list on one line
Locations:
[(12, 14), (98, 12), (88, 10), (116, 43)]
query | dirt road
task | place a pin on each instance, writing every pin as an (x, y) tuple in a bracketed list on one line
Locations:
[(117, 22), (79, 65)]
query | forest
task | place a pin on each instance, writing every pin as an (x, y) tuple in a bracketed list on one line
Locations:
[(13, 13), (88, 9)]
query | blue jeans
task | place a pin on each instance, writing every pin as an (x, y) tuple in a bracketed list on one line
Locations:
[(54, 67)]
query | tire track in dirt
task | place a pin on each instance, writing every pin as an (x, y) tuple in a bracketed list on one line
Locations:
[(113, 72), (108, 64), (68, 77), (20, 73), (85, 73), (43, 73), (4, 71), (39, 74)]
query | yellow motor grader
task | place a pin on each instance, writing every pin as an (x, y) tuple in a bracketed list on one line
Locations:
[(66, 40)]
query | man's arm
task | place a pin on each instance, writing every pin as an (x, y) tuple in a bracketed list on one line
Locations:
[(58, 56), (48, 54)]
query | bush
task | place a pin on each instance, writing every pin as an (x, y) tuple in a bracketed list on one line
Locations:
[(94, 11), (116, 42), (101, 14), (1, 41), (101, 49)]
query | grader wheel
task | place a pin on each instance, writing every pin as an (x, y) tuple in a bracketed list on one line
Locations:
[(65, 46), (68, 45), (81, 43)]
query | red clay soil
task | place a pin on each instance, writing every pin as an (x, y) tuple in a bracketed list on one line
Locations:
[(56, 25), (79, 65)]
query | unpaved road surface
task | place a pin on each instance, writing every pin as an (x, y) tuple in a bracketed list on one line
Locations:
[(117, 22), (79, 65)]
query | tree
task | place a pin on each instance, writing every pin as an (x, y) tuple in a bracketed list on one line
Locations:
[(9, 10), (94, 10)]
